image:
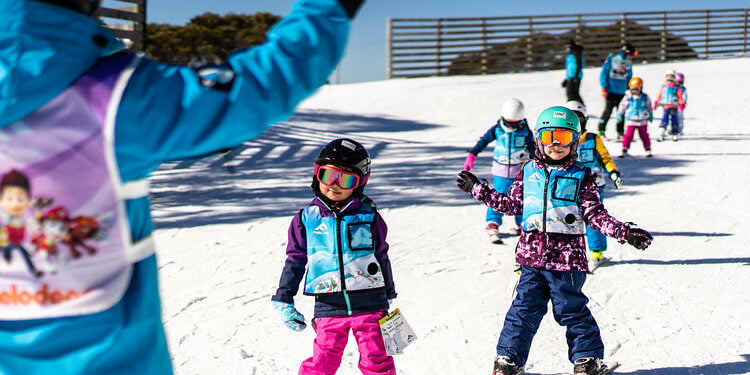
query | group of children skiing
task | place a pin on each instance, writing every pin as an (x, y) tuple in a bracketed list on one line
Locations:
[(637, 112)]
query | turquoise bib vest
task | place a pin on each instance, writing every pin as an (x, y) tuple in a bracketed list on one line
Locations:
[(669, 95), (550, 199), (510, 147), (341, 248), (638, 109)]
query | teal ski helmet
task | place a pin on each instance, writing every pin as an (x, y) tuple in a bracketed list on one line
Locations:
[(558, 117)]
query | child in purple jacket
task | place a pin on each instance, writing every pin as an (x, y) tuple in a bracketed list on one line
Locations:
[(558, 197), (340, 239)]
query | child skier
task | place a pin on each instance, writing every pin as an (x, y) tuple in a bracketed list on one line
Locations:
[(514, 144), (670, 99), (593, 154), (636, 111), (680, 114), (557, 197), (342, 235)]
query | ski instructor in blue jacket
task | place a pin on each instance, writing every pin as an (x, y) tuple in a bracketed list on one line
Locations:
[(616, 72), (81, 127)]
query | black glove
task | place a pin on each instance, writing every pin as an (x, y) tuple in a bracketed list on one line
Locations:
[(639, 238), (615, 176), (351, 6), (466, 181), (564, 83)]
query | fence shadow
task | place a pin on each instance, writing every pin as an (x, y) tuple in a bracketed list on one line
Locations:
[(270, 176)]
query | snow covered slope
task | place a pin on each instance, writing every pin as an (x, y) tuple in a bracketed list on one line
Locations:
[(680, 307)]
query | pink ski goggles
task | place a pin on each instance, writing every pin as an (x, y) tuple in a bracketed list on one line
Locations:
[(327, 175)]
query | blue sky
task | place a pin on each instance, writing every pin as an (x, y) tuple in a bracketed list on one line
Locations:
[(365, 56)]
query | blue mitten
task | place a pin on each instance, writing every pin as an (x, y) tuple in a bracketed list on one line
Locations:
[(291, 317)]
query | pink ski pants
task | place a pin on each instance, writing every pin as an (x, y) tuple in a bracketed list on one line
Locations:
[(630, 134), (332, 335)]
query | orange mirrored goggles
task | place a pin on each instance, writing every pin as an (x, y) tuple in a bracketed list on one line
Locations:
[(563, 137)]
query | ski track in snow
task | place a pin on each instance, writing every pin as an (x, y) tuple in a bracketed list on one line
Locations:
[(680, 307)]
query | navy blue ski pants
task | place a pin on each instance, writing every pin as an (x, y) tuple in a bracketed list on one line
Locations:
[(535, 289)]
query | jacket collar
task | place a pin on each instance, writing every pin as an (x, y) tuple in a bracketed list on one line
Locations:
[(43, 50), (349, 206)]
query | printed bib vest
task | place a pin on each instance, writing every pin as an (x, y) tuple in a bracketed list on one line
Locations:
[(510, 147), (339, 249), (619, 67), (638, 109), (550, 200), (65, 239), (669, 95)]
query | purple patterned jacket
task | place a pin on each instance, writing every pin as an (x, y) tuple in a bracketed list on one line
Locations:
[(554, 251)]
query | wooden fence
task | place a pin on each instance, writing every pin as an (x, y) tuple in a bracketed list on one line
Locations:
[(128, 22), (447, 46)]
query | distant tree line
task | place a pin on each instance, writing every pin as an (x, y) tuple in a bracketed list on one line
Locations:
[(207, 38), (548, 50)]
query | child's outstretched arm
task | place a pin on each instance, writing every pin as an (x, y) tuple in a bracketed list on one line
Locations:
[(597, 217), (381, 254), (509, 204)]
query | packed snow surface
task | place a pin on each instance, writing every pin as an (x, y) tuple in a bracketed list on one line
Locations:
[(680, 307)]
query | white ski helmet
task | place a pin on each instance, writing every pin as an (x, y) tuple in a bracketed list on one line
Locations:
[(577, 107), (671, 72), (512, 110)]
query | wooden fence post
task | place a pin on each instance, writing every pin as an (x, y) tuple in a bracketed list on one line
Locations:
[(438, 52), (389, 48), (705, 47), (579, 29), (529, 46), (663, 51), (622, 29), (484, 46)]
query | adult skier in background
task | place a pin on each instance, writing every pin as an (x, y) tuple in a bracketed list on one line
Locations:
[(593, 154), (616, 72), (573, 70), (557, 196), (514, 144), (87, 125)]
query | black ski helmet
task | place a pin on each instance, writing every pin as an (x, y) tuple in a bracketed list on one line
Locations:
[(346, 152), (88, 7), (629, 49)]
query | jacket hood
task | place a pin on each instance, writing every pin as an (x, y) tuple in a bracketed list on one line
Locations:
[(43, 50)]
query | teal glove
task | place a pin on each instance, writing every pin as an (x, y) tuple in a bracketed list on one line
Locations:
[(620, 117), (291, 317)]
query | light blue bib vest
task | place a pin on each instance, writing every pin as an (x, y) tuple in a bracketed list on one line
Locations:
[(638, 109), (341, 248), (550, 199), (669, 95), (510, 147)]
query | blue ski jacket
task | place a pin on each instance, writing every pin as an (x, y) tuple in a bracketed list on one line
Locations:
[(167, 112), (616, 72)]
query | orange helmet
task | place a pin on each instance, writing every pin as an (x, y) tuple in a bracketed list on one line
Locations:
[(635, 83)]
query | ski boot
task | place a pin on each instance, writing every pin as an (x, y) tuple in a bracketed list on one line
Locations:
[(589, 366), (624, 153), (494, 233), (649, 154), (675, 137), (596, 259), (504, 366), (663, 135)]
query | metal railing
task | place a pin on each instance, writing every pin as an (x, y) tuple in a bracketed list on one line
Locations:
[(447, 46), (132, 30)]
